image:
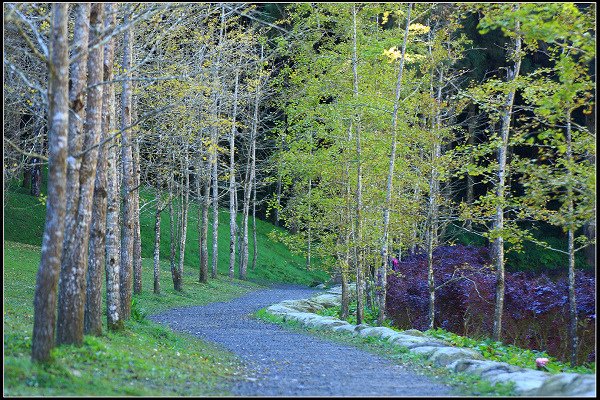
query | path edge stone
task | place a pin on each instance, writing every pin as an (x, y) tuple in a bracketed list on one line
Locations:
[(528, 382)]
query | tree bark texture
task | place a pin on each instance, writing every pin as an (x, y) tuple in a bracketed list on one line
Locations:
[(178, 277), (573, 338), (127, 224), (113, 207), (97, 246), (77, 99), (204, 232), (72, 293), (358, 209), (52, 242)]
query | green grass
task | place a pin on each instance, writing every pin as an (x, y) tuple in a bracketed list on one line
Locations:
[(463, 384), (144, 359), (25, 216), (498, 351)]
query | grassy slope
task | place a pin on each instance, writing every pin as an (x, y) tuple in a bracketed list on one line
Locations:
[(163, 363), (24, 223)]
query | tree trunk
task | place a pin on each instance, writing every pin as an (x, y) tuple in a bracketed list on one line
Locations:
[(113, 229), (47, 275), (232, 209), (204, 234), (309, 231), (68, 282), (254, 241), (178, 277), (345, 268), (36, 168), (126, 179), (278, 190), (471, 142), (245, 211), (77, 98), (97, 247), (358, 210), (345, 295), (434, 190), (573, 338), (71, 300), (172, 229), (215, 207), (157, 246), (137, 239), (498, 244), (382, 274)]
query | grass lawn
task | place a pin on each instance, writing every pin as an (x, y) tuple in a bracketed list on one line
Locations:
[(144, 359)]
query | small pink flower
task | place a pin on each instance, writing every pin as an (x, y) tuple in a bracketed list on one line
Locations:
[(541, 362)]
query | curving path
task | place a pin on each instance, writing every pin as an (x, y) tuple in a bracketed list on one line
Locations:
[(285, 363)]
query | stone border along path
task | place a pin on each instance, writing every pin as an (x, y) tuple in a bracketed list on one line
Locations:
[(528, 382), (285, 363)]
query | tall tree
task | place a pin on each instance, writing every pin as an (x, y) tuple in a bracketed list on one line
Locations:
[(97, 242), (358, 252), (232, 187), (555, 95), (72, 293), (127, 234), (498, 244), (58, 120), (114, 317), (382, 274)]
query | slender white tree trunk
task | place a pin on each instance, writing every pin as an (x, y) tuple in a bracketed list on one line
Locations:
[(498, 243), (358, 209), (382, 273), (178, 277), (573, 338), (157, 244), (232, 209)]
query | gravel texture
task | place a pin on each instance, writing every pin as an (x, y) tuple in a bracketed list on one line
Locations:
[(284, 363)]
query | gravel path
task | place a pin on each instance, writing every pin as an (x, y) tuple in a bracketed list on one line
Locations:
[(285, 363)]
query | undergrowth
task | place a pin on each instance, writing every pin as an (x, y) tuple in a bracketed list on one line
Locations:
[(490, 349)]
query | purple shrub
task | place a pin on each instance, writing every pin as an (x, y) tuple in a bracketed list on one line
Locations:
[(535, 308)]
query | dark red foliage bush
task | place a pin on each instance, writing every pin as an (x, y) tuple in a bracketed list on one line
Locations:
[(536, 309)]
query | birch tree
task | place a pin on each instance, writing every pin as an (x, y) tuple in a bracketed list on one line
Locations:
[(382, 274), (126, 267)]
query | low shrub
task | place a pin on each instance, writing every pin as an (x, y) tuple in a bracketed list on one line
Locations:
[(535, 307)]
